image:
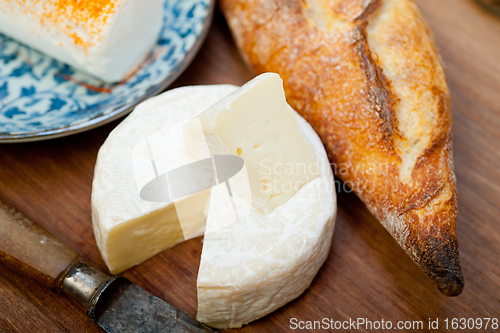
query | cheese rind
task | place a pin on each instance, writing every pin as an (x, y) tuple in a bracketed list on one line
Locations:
[(105, 38)]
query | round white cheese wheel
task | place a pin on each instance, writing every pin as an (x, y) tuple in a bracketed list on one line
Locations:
[(247, 269)]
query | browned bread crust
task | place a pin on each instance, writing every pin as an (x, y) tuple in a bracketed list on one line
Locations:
[(368, 77)]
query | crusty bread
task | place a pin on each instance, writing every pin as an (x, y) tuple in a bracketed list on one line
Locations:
[(368, 77)]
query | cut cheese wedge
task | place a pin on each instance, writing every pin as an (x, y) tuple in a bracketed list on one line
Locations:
[(254, 260), (256, 123), (105, 38)]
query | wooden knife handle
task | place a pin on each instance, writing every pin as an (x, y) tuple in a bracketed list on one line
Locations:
[(31, 250)]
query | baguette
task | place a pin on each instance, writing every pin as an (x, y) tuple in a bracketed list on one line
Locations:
[(369, 79)]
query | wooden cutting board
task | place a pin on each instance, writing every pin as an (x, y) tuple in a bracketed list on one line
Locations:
[(367, 275)]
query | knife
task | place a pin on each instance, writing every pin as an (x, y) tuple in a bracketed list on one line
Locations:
[(113, 303)]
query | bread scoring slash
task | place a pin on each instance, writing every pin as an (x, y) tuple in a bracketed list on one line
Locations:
[(369, 79)]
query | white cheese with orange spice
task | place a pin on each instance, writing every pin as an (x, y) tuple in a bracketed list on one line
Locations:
[(105, 38)]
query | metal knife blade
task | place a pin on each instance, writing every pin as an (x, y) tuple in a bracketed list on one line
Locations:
[(124, 307)]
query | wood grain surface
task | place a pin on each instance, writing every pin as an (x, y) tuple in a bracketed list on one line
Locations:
[(367, 275)]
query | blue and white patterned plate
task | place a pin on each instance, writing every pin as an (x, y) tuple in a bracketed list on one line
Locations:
[(42, 98)]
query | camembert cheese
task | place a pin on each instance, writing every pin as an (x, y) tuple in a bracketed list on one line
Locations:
[(262, 258)]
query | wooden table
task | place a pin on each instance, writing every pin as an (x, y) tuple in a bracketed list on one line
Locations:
[(367, 275)]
